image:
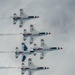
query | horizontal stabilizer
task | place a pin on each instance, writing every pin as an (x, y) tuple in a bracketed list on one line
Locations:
[(24, 47)]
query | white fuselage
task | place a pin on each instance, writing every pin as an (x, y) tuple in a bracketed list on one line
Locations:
[(34, 68), (46, 49), (35, 34), (26, 53)]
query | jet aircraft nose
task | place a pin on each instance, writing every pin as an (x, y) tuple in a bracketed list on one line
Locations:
[(46, 67), (36, 16)]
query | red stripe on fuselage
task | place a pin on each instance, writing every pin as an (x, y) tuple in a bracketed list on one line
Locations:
[(39, 48)]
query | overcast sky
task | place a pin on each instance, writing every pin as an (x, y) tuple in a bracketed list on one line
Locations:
[(57, 17)]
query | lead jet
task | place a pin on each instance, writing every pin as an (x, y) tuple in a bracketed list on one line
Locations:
[(33, 34), (22, 18), (31, 68), (44, 49)]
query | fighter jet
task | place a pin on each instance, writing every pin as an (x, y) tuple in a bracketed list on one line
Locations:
[(33, 34), (31, 68), (44, 49), (22, 18)]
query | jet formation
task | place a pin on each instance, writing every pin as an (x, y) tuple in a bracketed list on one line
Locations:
[(25, 50), (42, 50)]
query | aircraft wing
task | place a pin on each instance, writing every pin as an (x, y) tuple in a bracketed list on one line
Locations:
[(21, 23), (32, 29), (30, 72), (42, 55), (22, 14), (24, 34), (43, 44), (32, 38), (30, 63)]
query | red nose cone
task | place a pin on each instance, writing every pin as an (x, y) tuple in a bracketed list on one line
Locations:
[(49, 33)]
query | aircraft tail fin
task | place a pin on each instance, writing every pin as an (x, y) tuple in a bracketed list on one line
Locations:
[(43, 44), (30, 63)]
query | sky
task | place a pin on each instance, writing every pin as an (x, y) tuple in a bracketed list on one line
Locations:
[(57, 17)]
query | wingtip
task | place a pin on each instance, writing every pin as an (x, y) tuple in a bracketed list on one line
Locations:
[(61, 48), (29, 59), (31, 25), (21, 9)]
